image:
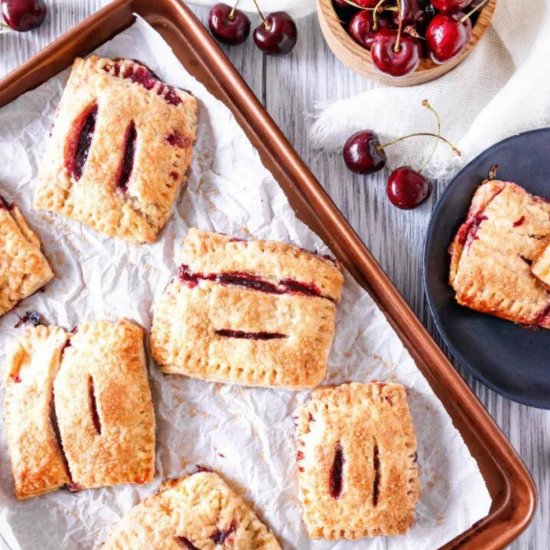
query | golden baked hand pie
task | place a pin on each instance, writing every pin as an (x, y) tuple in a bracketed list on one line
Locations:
[(37, 460), (259, 313), (358, 471), (78, 408), (196, 512), (119, 149), (492, 255), (23, 267)]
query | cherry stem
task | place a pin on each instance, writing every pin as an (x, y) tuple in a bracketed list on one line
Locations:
[(426, 104), (375, 9), (396, 48), (375, 15), (471, 12), (455, 150), (231, 15), (266, 24)]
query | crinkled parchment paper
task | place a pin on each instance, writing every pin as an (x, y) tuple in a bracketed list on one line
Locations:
[(245, 433)]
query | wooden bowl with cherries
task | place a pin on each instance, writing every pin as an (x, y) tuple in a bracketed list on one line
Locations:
[(403, 42)]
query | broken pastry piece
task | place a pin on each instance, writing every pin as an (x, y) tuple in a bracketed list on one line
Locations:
[(37, 460), (258, 313), (23, 267), (541, 267), (198, 511), (358, 472), (498, 255), (119, 149), (78, 409)]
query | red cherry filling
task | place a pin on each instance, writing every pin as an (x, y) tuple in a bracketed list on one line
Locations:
[(93, 406), (468, 230), (336, 479), (177, 140), (78, 145), (127, 164), (228, 333), (184, 542), (251, 281), (376, 481), (144, 77), (543, 315), (219, 537), (57, 434), (519, 221)]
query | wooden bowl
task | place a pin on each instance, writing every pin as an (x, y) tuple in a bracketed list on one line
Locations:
[(359, 59)]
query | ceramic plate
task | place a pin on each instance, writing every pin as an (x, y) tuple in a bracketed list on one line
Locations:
[(512, 360)]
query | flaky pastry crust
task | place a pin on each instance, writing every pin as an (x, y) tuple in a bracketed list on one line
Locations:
[(23, 267), (358, 472), (32, 363), (198, 511), (492, 255), (119, 149), (258, 313), (103, 406)]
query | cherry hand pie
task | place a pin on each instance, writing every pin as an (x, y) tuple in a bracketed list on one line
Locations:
[(23, 267), (196, 512), (259, 313), (498, 255), (119, 149), (78, 409), (358, 472)]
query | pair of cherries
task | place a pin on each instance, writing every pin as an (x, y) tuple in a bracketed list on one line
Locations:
[(23, 15), (399, 33), (277, 34), (406, 188)]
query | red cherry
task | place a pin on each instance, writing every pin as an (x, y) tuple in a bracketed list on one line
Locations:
[(395, 61), (277, 34), (24, 15), (228, 25), (450, 6), (407, 188), (366, 3), (363, 154), (447, 35), (361, 27)]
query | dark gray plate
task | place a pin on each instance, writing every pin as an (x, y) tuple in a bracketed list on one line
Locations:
[(512, 360)]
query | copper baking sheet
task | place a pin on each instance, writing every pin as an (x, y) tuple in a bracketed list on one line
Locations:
[(510, 485)]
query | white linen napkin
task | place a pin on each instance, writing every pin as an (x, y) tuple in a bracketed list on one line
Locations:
[(501, 89), (297, 8)]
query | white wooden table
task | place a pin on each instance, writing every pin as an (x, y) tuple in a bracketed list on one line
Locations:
[(290, 87)]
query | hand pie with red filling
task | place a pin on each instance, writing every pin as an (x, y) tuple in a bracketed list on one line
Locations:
[(119, 149), (357, 465), (258, 313), (23, 267), (195, 512), (494, 256), (78, 408)]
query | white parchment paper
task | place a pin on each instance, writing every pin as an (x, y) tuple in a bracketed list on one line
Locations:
[(245, 433)]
